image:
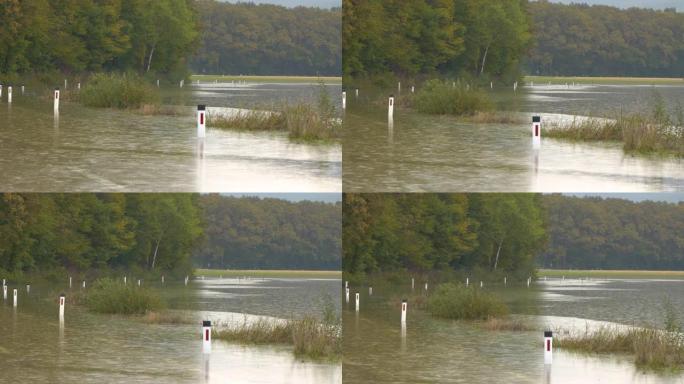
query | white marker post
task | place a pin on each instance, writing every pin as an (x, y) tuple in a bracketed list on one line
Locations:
[(413, 89), (125, 280), (346, 283), (83, 284), (344, 100), (201, 120), (15, 297), (426, 286), (548, 347), (186, 280), (0, 90), (404, 308), (390, 107), (157, 83), (467, 281), (62, 299), (139, 282), (28, 288), (357, 93), (4, 292), (491, 85), (399, 87), (9, 94), (69, 281), (357, 301), (22, 90), (370, 291), (346, 295), (481, 284), (206, 336), (65, 84), (162, 279), (505, 280), (56, 100), (536, 132), (78, 86)]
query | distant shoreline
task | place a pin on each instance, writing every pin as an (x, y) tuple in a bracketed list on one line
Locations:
[(605, 80), (609, 273), (269, 79), (268, 273)]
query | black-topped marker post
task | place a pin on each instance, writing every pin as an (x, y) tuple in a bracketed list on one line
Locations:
[(56, 101), (548, 347), (536, 132), (206, 336), (201, 120)]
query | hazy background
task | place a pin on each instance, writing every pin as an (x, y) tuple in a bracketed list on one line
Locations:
[(658, 4), (295, 3)]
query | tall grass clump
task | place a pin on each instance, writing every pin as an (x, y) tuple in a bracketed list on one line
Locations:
[(441, 98), (453, 301), (117, 91), (111, 296)]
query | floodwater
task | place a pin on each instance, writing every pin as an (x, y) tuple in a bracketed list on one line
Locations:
[(437, 350), (104, 150), (417, 152), (92, 348)]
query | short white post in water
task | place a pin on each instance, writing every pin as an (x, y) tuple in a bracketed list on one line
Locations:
[(15, 297), (206, 336), (346, 294), (201, 120), (83, 283), (413, 89), (344, 100), (404, 308), (62, 299), (491, 85), (186, 280), (346, 283), (426, 286), (56, 100), (399, 87), (413, 283), (505, 280), (22, 90), (69, 281), (65, 83), (548, 347), (390, 107), (529, 279), (357, 93), (481, 283), (28, 288), (467, 281), (4, 292), (357, 301), (0, 90), (9, 94), (370, 291), (162, 279), (125, 280), (138, 282), (536, 132), (157, 83), (78, 86)]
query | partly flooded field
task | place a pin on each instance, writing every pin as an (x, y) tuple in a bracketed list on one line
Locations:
[(440, 153), (103, 150), (436, 350), (90, 348)]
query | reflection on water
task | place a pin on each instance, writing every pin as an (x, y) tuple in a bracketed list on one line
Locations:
[(378, 349), (438, 153), (84, 149), (36, 347)]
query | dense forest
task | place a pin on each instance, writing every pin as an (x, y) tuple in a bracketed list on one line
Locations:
[(423, 232), (153, 233), (498, 39), (264, 39), (254, 233), (89, 35), (600, 41), (485, 38), (588, 233)]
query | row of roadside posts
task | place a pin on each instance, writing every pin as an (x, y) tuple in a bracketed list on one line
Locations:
[(548, 335), (206, 324)]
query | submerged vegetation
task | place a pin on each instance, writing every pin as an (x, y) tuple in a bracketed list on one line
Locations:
[(656, 131), (117, 91), (110, 296), (310, 336), (302, 121), (454, 301), (441, 98)]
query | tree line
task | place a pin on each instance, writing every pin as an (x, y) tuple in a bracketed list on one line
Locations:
[(74, 36), (154, 233), (255, 233), (578, 39), (424, 232), (264, 39), (598, 233), (489, 39), (475, 38)]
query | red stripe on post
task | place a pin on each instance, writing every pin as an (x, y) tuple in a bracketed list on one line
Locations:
[(548, 345), (536, 130), (202, 118), (206, 334)]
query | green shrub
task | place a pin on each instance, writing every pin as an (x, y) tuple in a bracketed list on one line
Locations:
[(111, 296), (453, 301), (117, 91), (441, 98)]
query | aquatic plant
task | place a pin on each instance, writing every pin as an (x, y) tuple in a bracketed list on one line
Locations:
[(454, 301), (441, 98), (111, 296), (117, 91)]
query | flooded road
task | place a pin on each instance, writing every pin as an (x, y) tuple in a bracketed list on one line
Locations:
[(103, 150), (438, 350), (92, 348), (439, 153)]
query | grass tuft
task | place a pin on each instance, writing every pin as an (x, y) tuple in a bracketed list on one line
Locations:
[(110, 296), (506, 324), (441, 98), (453, 301), (117, 91)]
